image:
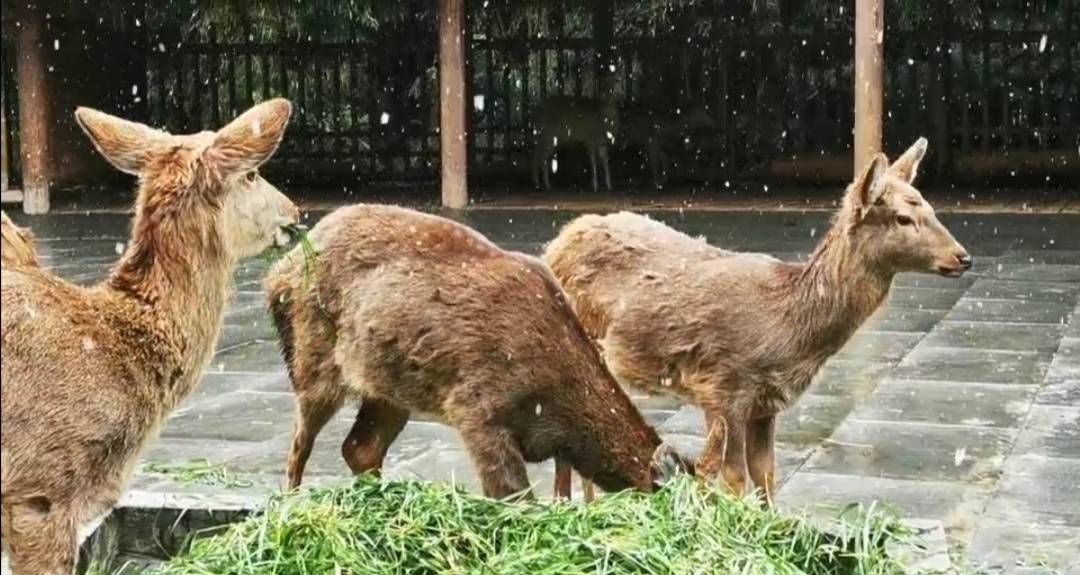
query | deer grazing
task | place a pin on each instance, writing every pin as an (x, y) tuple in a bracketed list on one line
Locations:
[(413, 313), (742, 334), (563, 120), (89, 374), (18, 244)]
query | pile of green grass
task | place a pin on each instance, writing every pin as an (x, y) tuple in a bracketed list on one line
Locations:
[(419, 528)]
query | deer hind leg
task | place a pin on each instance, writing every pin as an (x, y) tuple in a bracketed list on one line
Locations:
[(761, 456), (377, 425), (41, 537), (497, 458), (592, 164), (313, 410)]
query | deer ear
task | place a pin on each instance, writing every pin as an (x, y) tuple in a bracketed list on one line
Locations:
[(126, 145), (869, 186), (251, 138), (907, 166)]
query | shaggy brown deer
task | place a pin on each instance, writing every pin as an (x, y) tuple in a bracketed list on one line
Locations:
[(562, 120), (413, 313), (90, 373), (18, 244), (742, 334)]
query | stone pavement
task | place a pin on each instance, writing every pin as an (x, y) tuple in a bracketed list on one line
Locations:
[(959, 402)]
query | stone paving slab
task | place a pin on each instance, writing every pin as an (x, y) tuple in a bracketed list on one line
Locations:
[(946, 402), (973, 365), (913, 451), (996, 335)]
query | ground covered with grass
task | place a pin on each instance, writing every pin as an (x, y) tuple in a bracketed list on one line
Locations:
[(415, 527)]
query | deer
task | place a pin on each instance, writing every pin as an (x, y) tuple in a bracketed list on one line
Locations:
[(742, 335), (90, 373), (405, 313), (650, 130), (18, 247), (562, 120)]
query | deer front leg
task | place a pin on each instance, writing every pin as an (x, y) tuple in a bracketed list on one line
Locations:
[(41, 537), (724, 458), (761, 457), (497, 458), (377, 425), (564, 475), (313, 410)]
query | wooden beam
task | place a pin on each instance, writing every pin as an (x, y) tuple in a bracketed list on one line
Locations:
[(33, 106), (869, 42), (452, 130)]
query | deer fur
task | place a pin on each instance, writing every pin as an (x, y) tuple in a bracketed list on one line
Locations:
[(562, 120), (742, 334), (90, 373), (18, 244), (412, 313)]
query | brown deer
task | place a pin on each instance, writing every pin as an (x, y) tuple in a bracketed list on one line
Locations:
[(742, 334), (89, 374), (651, 130), (17, 248), (562, 120), (413, 313)]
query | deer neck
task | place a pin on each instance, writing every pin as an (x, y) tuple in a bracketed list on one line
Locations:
[(835, 292), (174, 284)]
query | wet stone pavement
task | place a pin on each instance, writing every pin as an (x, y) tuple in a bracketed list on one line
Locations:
[(958, 403)]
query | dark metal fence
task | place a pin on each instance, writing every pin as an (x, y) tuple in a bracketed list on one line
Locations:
[(992, 83)]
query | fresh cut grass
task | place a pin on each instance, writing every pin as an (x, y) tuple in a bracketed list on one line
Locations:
[(430, 528)]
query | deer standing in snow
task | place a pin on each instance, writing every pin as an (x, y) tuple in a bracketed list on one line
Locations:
[(742, 334), (408, 312), (90, 373)]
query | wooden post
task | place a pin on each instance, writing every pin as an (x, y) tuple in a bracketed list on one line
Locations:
[(452, 131), (33, 107), (869, 39)]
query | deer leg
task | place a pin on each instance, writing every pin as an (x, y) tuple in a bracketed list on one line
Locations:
[(592, 163), (760, 455), (377, 425), (606, 164), (588, 489), (655, 164), (497, 458), (564, 474), (41, 537), (725, 452), (313, 410)]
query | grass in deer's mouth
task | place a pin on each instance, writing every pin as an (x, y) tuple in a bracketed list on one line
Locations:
[(414, 527)]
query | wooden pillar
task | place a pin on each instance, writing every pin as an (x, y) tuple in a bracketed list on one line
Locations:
[(869, 41), (33, 106), (452, 131)]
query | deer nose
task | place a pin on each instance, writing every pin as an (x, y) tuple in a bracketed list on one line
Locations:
[(965, 261)]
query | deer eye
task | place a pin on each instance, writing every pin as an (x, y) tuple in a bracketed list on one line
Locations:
[(904, 221), (251, 176)]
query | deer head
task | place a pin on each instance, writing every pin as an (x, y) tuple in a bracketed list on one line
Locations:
[(893, 225), (206, 182), (18, 244)]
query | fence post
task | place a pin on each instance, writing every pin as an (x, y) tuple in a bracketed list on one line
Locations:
[(869, 38), (452, 129), (603, 23), (33, 108)]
